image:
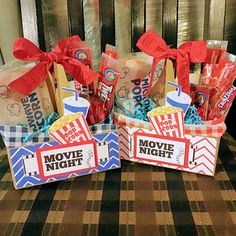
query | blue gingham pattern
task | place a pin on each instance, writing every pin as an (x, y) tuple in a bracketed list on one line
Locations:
[(96, 129), (12, 135)]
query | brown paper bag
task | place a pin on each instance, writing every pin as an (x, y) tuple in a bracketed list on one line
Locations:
[(16, 108)]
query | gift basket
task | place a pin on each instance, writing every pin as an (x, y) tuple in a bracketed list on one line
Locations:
[(57, 125), (175, 122)]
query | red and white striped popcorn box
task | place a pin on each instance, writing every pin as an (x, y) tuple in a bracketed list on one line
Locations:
[(73, 132), (171, 125)]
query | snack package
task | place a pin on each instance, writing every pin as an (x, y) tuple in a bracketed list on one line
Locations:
[(200, 99), (224, 75), (71, 128), (168, 121), (83, 55), (109, 72), (215, 49), (97, 112), (102, 102), (111, 51), (16, 108), (226, 70), (223, 104)]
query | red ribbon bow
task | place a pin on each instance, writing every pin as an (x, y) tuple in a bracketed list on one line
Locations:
[(192, 51), (63, 53)]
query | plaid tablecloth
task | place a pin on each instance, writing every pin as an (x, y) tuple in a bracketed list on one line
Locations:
[(136, 200)]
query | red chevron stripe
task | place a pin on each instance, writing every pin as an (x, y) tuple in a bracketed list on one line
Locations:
[(124, 147), (121, 135), (203, 155), (202, 163), (123, 128), (125, 151), (204, 147), (125, 144), (203, 140), (140, 130), (201, 172), (121, 150)]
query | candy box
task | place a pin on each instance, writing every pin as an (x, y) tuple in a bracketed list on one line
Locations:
[(43, 160), (195, 152)]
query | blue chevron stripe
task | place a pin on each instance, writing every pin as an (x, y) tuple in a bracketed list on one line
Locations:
[(22, 181)]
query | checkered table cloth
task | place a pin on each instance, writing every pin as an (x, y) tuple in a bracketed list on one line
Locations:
[(136, 200)]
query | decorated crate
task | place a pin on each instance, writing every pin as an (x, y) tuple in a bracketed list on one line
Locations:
[(48, 161), (186, 113), (61, 145), (195, 152)]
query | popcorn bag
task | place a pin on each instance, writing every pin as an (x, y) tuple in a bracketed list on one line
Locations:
[(63, 145), (17, 108), (184, 133)]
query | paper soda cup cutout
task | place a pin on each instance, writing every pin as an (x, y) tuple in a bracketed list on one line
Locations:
[(70, 128), (75, 103), (167, 121), (178, 98)]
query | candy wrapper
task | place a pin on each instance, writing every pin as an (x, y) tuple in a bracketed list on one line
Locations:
[(168, 121), (83, 55), (224, 75), (200, 99), (16, 108), (109, 71), (111, 51), (103, 101), (71, 128), (223, 104), (215, 49)]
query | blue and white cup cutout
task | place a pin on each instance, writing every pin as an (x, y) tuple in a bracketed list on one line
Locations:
[(75, 103), (178, 98), (72, 106)]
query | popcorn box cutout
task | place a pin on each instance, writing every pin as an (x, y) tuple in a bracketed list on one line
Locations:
[(196, 152), (48, 162), (76, 130)]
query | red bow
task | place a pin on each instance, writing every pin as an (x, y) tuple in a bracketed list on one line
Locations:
[(63, 54), (192, 51)]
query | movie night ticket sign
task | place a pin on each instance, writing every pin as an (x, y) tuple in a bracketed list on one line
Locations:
[(160, 149), (67, 159)]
